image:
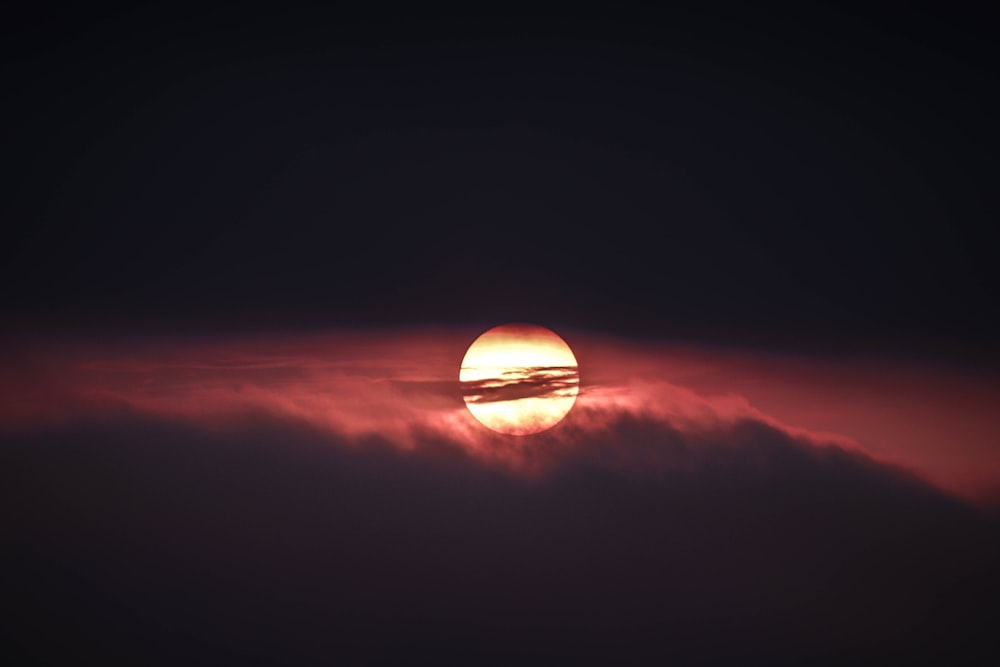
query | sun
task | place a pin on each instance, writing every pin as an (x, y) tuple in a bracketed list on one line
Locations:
[(519, 379)]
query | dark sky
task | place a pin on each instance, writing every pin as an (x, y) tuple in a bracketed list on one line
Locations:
[(737, 173), (244, 250)]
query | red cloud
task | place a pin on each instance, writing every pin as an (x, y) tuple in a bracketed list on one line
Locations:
[(402, 388)]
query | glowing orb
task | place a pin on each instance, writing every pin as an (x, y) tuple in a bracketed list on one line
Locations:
[(519, 379)]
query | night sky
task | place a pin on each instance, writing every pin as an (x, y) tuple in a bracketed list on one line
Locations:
[(244, 250)]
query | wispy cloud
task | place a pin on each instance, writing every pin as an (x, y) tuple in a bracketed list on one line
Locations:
[(402, 388)]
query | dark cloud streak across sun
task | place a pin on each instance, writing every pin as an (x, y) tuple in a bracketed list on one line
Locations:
[(528, 382)]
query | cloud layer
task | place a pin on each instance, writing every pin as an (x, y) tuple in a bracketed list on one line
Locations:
[(160, 543), (936, 421), (330, 499)]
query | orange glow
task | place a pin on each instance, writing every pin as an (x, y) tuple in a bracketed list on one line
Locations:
[(519, 379)]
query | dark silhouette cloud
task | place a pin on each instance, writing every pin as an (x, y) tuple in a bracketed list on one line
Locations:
[(155, 543), (517, 383)]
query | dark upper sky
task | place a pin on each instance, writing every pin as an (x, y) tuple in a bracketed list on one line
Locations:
[(735, 173)]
